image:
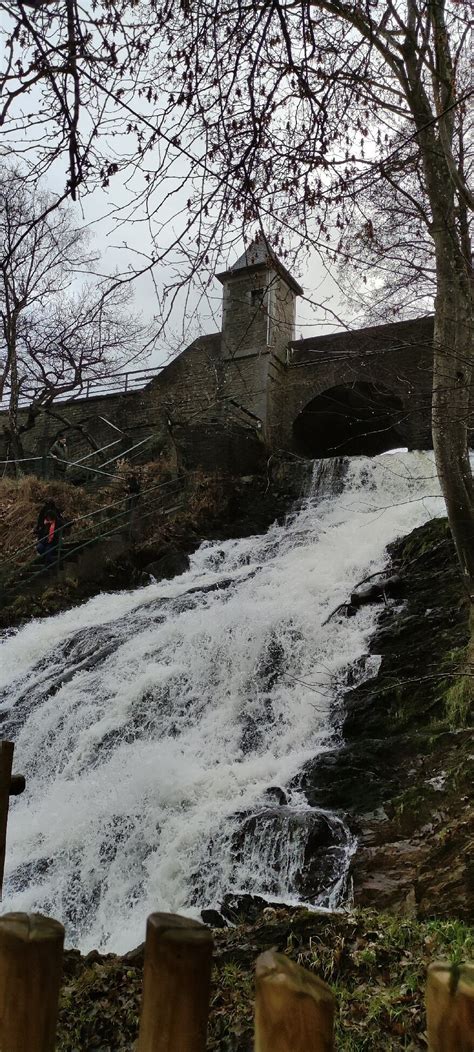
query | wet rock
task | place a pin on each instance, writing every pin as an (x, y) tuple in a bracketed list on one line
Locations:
[(72, 963), (407, 788), (242, 908), (135, 958), (277, 794), (297, 851), (213, 918), (171, 564), (350, 779), (375, 590)]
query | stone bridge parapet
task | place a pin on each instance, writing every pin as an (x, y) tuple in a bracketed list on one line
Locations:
[(232, 398)]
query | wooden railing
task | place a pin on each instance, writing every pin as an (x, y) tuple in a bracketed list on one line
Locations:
[(294, 1009)]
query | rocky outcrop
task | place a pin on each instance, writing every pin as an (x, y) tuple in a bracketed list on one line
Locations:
[(404, 772), (170, 564)]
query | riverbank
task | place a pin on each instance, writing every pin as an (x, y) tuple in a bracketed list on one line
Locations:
[(405, 770), (375, 963), (183, 512)]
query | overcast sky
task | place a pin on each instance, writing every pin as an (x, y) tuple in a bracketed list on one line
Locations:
[(124, 245)]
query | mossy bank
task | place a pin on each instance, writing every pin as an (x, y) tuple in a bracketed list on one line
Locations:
[(376, 965), (404, 771)]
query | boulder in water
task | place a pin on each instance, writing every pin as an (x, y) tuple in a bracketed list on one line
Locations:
[(240, 909), (375, 590), (213, 918), (291, 852), (170, 564), (276, 794)]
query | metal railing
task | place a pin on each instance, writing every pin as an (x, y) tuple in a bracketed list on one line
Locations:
[(122, 383), (20, 569)]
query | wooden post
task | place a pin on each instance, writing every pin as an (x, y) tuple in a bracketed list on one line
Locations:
[(6, 761), (176, 985), (450, 1007), (31, 955), (294, 1010)]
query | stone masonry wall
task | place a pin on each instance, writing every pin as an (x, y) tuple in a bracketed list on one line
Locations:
[(85, 423), (397, 357), (233, 402)]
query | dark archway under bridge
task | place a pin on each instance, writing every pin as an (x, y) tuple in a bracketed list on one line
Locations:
[(353, 419), (356, 393)]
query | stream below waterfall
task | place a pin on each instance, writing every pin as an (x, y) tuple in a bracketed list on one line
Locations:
[(160, 729)]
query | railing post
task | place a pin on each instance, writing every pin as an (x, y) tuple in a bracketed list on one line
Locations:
[(176, 985), (31, 956), (450, 1007), (60, 545), (6, 761), (294, 1010)]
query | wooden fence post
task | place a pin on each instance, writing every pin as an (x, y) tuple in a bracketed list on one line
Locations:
[(294, 1010), (450, 1007), (31, 955), (6, 761), (176, 985)]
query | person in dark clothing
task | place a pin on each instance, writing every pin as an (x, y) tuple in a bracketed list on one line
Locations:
[(133, 489), (49, 530), (59, 448), (59, 454)]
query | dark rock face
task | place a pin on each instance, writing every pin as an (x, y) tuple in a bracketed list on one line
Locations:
[(403, 775), (381, 588), (213, 918), (300, 852), (171, 564), (238, 908), (275, 793)]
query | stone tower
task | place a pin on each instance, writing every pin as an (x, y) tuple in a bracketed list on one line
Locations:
[(258, 321)]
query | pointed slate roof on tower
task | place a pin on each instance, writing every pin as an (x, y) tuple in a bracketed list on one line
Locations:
[(258, 256)]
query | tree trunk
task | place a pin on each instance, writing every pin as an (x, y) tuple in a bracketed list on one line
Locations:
[(452, 398)]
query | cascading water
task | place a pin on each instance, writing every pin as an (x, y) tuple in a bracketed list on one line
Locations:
[(157, 728)]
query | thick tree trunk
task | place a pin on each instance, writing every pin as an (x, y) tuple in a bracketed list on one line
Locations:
[(453, 333), (452, 399)]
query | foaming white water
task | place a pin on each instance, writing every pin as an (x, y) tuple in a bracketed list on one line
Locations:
[(151, 724)]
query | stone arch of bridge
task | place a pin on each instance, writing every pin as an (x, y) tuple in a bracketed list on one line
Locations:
[(358, 418)]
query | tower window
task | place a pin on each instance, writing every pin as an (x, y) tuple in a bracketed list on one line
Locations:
[(257, 297)]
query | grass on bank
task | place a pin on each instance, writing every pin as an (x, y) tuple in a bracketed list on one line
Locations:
[(375, 963), (20, 501), (459, 697)]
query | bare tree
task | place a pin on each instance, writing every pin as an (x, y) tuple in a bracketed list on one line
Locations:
[(52, 340), (281, 116), (385, 258)]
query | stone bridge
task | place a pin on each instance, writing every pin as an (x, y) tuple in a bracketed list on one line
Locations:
[(231, 399)]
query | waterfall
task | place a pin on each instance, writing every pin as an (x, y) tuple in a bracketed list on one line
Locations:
[(160, 729)]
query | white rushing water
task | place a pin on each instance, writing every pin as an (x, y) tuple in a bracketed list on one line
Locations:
[(151, 724)]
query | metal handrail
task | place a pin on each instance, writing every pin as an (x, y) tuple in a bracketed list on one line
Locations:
[(127, 382), (97, 537), (105, 507)]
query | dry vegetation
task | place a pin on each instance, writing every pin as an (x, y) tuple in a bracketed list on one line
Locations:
[(376, 965), (170, 512), (21, 500)]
